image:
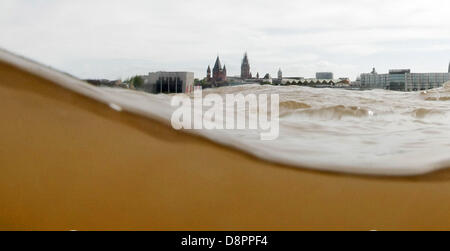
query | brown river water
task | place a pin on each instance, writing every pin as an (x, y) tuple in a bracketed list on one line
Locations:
[(377, 132)]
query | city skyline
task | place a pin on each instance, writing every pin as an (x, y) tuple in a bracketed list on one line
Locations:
[(106, 39)]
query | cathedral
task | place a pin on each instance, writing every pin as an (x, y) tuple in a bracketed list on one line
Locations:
[(245, 68), (219, 74)]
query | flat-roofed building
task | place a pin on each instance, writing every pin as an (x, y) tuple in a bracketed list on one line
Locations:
[(374, 81), (425, 81), (169, 82), (324, 75), (397, 79), (403, 80)]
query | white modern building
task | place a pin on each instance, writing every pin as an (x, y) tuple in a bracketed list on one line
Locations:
[(424, 81), (169, 82), (403, 80), (374, 80)]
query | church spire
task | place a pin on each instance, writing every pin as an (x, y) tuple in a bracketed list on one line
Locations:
[(245, 60), (217, 65), (245, 68)]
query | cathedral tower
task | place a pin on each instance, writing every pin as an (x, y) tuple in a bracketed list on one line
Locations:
[(219, 74), (245, 68)]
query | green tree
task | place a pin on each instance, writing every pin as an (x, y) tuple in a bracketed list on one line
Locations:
[(137, 82)]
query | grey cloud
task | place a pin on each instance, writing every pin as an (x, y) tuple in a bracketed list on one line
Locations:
[(114, 38)]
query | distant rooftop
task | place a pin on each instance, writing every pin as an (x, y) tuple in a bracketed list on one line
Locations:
[(399, 71)]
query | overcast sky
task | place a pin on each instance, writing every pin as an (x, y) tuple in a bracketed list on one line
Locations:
[(116, 39)]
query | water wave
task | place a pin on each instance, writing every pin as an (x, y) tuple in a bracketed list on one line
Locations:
[(423, 113), (293, 105), (438, 94), (367, 132), (337, 112)]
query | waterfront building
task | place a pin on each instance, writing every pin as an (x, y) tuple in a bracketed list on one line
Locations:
[(403, 80), (424, 81), (245, 68), (374, 80), (168, 82), (346, 81), (397, 79), (280, 75), (324, 75), (357, 82)]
